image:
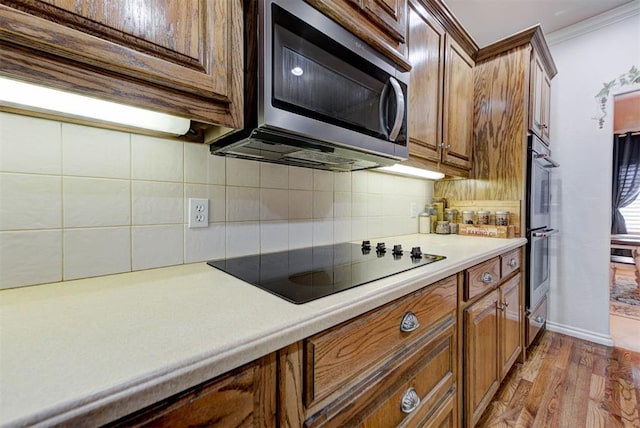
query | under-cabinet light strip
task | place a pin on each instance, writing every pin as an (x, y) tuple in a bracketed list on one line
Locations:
[(413, 172), (27, 96)]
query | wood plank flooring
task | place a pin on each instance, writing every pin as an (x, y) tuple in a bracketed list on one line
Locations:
[(568, 382)]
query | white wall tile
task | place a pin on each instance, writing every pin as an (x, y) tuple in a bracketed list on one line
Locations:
[(156, 159), (216, 169), (196, 163), (243, 203), (342, 230), (323, 180), (274, 176), (322, 204), (360, 181), (95, 152), (342, 204), (156, 246), (374, 204), (90, 202), (205, 243), (300, 178), (322, 232), (157, 202), (31, 257), (300, 234), (274, 236), (242, 172), (342, 181), (375, 227), (300, 204), (274, 204), (359, 204), (29, 201), (359, 228), (375, 182), (95, 252), (29, 145), (243, 238)]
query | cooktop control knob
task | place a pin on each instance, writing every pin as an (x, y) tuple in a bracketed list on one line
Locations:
[(381, 248), (416, 253), (397, 250), (366, 245)]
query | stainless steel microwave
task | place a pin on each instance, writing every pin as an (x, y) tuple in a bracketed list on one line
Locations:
[(316, 95)]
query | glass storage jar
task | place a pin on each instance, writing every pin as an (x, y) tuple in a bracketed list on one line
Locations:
[(502, 218), (467, 217), (483, 217)]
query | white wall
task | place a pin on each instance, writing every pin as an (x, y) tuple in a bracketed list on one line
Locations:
[(579, 297), (78, 201)]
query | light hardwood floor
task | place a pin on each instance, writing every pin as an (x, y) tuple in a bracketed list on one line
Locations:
[(568, 382)]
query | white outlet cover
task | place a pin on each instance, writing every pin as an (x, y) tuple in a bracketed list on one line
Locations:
[(198, 213)]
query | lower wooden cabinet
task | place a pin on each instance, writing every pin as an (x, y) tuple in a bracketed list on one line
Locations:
[(395, 365), (244, 397), (493, 335)]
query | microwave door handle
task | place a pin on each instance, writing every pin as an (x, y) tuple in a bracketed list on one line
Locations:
[(545, 233), (392, 134), (397, 124)]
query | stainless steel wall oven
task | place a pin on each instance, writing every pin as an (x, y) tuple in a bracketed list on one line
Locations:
[(538, 220)]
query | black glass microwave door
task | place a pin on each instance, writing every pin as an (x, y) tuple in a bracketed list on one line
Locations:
[(310, 81)]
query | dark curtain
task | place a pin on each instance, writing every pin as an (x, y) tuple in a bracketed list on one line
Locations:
[(626, 177)]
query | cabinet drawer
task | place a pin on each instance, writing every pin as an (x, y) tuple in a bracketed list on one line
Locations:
[(510, 262), (405, 391), (536, 321), (482, 278), (338, 357)]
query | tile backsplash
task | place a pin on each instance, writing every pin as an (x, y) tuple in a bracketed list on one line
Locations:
[(77, 201)]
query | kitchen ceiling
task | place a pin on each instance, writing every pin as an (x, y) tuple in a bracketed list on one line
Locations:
[(490, 20)]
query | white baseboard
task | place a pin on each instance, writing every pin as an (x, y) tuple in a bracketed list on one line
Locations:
[(602, 339)]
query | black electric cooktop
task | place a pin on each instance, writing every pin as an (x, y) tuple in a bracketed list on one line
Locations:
[(306, 274)]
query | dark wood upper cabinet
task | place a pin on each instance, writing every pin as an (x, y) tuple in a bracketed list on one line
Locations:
[(178, 57)]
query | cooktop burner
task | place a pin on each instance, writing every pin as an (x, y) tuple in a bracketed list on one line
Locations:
[(306, 274)]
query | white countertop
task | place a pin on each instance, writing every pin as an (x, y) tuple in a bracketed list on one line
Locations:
[(89, 351)]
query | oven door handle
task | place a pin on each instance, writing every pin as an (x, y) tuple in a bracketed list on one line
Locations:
[(545, 233), (546, 157)]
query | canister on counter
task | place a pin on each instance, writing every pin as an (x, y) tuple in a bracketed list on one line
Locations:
[(467, 217), (443, 227), (439, 204), (483, 217), (451, 215), (433, 218), (453, 228), (502, 218)]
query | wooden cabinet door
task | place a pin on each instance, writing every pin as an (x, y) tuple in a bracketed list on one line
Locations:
[(380, 23), (181, 57), (458, 107), (481, 365), (510, 324), (245, 397), (389, 15), (426, 54), (539, 99)]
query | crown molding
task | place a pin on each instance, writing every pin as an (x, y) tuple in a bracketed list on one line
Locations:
[(595, 23)]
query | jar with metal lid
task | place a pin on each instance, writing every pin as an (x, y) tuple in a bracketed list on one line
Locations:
[(483, 217), (467, 217), (451, 215), (502, 218), (442, 227)]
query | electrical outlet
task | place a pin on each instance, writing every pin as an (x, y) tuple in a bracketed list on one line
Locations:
[(198, 213)]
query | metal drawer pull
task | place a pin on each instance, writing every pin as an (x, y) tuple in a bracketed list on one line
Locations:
[(486, 277), (409, 322), (410, 401), (513, 262), (539, 319)]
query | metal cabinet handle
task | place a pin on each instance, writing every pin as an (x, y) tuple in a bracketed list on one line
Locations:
[(410, 401), (506, 304), (539, 319), (409, 322), (513, 262), (500, 306), (486, 277)]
